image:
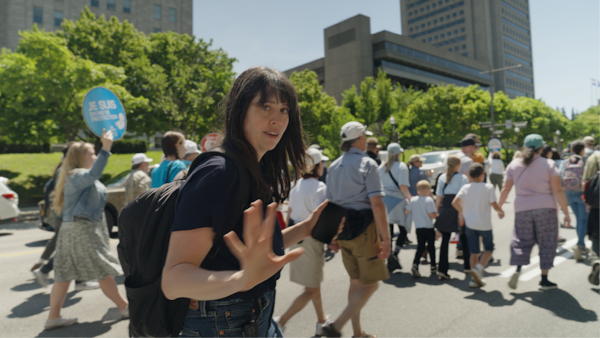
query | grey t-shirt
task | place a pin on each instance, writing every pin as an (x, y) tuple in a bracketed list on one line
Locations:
[(420, 207), (465, 163)]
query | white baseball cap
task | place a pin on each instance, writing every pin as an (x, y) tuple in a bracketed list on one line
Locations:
[(316, 155), (353, 130), (191, 147), (140, 158)]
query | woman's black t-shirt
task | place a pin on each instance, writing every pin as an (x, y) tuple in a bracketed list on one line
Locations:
[(206, 200)]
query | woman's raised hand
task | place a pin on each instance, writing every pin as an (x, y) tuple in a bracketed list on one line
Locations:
[(257, 260), (107, 140)]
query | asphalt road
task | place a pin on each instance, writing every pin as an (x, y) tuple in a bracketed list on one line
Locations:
[(403, 306)]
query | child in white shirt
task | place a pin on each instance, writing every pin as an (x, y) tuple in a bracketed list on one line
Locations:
[(473, 203), (423, 210)]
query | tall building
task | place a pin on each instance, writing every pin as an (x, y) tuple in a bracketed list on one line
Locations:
[(147, 16), (353, 53), (497, 32)]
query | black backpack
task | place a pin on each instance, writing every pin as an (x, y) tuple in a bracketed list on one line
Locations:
[(144, 233), (591, 192)]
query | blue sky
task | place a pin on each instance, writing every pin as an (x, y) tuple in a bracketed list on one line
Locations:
[(284, 34)]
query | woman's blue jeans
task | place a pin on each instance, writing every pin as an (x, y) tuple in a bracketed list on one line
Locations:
[(228, 318), (581, 215)]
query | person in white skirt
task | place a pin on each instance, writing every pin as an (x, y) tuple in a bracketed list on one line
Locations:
[(305, 197), (395, 179), (82, 249)]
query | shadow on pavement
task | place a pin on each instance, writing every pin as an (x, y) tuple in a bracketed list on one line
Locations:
[(41, 243), (329, 255), (86, 329), (406, 280), (38, 303), (596, 290), (560, 302), (32, 285), (492, 298), (6, 233)]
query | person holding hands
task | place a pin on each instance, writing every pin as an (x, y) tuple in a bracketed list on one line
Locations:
[(423, 211)]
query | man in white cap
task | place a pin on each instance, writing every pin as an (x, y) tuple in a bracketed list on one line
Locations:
[(354, 182), (137, 181), (191, 152)]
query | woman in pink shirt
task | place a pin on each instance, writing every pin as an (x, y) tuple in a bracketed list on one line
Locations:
[(538, 189)]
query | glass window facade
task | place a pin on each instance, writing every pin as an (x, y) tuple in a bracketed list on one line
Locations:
[(426, 57), (111, 4), (447, 42), (157, 12), (416, 3), (518, 76), (517, 59), (157, 30), (126, 6), (58, 18), (38, 15), (95, 3), (514, 9), (446, 79), (515, 92), (513, 41), (515, 26), (438, 28), (436, 12), (172, 15)]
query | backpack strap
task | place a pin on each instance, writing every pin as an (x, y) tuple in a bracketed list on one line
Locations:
[(168, 171), (241, 196), (449, 181)]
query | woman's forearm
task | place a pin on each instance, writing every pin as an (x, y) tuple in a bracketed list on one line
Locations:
[(405, 192), (294, 234), (561, 198), (438, 202), (505, 191), (188, 281)]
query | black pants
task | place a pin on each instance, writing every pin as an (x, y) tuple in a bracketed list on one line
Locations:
[(466, 252), (425, 236), (443, 267), (401, 237)]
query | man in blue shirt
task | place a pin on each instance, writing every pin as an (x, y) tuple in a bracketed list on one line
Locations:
[(354, 182)]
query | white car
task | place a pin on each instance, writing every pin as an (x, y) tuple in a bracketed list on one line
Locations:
[(9, 203), (436, 163)]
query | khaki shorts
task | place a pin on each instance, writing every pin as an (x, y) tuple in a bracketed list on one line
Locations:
[(308, 269), (360, 257)]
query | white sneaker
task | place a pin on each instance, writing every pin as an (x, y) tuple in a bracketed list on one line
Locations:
[(477, 276), (125, 313), (59, 322), (87, 285), (577, 253), (319, 329), (512, 283), (473, 284), (40, 277), (276, 320)]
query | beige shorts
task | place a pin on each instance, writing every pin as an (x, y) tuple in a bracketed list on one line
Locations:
[(360, 257), (308, 269)]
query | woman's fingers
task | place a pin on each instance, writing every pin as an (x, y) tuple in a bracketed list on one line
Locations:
[(317, 212), (234, 244), (289, 257), (268, 225), (252, 223)]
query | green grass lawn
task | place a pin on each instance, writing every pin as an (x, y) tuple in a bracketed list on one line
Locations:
[(27, 173)]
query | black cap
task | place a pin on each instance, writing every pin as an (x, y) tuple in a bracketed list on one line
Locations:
[(467, 141)]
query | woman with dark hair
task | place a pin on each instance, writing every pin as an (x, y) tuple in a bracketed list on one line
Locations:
[(173, 145), (263, 131), (538, 189)]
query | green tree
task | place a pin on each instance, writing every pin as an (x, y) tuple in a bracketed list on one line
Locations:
[(585, 124), (43, 86)]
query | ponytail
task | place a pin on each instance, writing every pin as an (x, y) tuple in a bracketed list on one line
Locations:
[(527, 155), (453, 161)]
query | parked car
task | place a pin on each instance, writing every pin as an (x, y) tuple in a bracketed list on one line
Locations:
[(115, 202), (436, 163), (9, 203)]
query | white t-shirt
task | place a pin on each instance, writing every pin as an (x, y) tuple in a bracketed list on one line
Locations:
[(465, 163), (477, 198), (305, 197), (496, 166), (400, 172), (419, 208)]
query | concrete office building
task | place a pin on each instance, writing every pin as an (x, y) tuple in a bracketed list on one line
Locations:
[(353, 53), (497, 32), (147, 16)]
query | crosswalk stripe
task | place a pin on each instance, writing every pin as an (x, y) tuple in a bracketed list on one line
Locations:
[(20, 253)]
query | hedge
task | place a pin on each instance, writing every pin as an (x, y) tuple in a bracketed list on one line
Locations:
[(16, 148), (129, 147)]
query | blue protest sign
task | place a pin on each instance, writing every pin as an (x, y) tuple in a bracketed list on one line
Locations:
[(495, 144), (103, 109)]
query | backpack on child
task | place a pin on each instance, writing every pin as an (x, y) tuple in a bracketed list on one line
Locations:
[(144, 234), (572, 173)]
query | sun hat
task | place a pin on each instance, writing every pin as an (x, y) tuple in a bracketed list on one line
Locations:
[(353, 130), (191, 147), (394, 148), (140, 158), (315, 156), (416, 158), (534, 141)]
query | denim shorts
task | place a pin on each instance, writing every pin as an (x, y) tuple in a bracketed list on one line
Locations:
[(227, 318), (473, 240)]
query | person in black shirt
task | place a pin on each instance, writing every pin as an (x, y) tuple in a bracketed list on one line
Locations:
[(263, 131), (373, 149)]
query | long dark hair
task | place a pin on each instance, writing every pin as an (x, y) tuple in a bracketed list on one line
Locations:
[(275, 179)]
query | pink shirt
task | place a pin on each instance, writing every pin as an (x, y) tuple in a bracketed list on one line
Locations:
[(532, 183)]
